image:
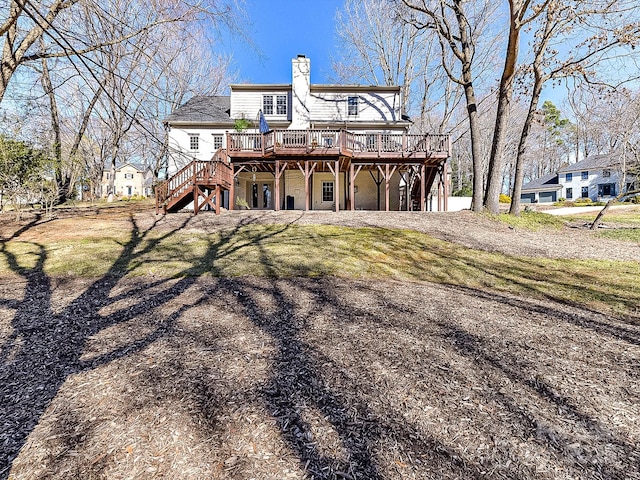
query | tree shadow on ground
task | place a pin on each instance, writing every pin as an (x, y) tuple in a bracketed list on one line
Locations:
[(45, 345)]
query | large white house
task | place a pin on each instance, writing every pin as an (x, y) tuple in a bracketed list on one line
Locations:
[(598, 178), (306, 146)]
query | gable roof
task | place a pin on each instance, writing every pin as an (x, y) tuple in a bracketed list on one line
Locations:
[(203, 109), (590, 163), (120, 165), (549, 181)]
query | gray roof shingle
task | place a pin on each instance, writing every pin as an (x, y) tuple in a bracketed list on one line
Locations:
[(590, 163), (203, 109), (547, 181)]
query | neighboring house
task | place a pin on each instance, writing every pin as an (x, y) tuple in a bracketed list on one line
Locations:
[(598, 177), (306, 146), (542, 190), (131, 179)]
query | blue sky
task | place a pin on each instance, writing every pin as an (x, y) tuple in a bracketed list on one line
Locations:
[(282, 29)]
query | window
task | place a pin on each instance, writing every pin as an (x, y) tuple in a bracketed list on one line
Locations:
[(352, 105), (585, 175), (327, 191), (267, 104), (128, 175), (108, 176), (585, 192), (569, 193), (217, 141), (606, 173), (569, 177), (194, 143), (281, 104)]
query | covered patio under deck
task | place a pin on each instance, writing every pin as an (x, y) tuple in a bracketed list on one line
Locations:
[(415, 160)]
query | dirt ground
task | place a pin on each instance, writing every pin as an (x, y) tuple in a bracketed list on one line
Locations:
[(255, 378)]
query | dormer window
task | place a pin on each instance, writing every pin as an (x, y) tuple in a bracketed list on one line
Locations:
[(352, 106), (280, 101), (281, 104), (267, 104)]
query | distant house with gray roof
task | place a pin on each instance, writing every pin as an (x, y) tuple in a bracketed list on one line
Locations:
[(542, 190), (597, 177)]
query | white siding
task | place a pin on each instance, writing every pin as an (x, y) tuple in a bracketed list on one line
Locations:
[(180, 153), (372, 107), (247, 104), (595, 178)]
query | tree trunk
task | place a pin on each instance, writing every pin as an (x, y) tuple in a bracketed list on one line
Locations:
[(611, 202), (522, 146), (494, 183), (62, 177), (472, 113)]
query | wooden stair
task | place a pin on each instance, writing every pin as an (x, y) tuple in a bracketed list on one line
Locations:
[(201, 182)]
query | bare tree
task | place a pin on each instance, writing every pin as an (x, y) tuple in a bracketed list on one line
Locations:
[(590, 32), (25, 22), (521, 13), (459, 25)]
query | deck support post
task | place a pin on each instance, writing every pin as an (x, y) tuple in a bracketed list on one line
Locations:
[(196, 199), (277, 187), (352, 188), (387, 174), (386, 187), (446, 187), (423, 203), (218, 199), (307, 198), (232, 191), (353, 173), (335, 170), (440, 191), (307, 172), (336, 191)]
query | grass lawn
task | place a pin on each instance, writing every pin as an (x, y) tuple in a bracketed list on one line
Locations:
[(323, 250)]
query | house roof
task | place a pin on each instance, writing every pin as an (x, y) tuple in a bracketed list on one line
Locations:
[(119, 165), (203, 109), (590, 163), (549, 181)]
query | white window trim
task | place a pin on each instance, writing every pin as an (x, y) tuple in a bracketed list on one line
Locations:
[(191, 137), (328, 182), (356, 106)]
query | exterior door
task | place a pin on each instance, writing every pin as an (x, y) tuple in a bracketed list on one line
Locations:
[(261, 195)]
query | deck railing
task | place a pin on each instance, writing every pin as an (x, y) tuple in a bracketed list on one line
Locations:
[(344, 141), (198, 172)]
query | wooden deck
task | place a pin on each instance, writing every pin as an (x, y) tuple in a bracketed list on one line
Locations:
[(337, 143), (200, 182)]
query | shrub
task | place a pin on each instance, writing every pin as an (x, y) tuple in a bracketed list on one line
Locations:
[(583, 200), (242, 203), (504, 198)]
